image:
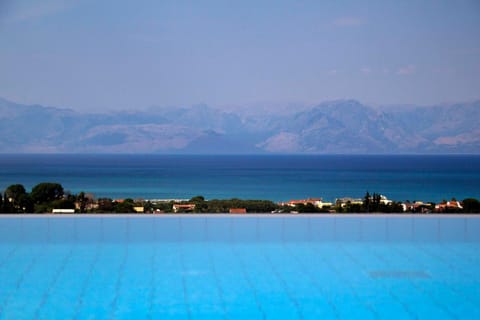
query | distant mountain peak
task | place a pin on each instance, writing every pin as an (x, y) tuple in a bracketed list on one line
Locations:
[(337, 126)]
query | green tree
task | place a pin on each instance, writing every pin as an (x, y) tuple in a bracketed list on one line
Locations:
[(13, 192), (125, 206), (354, 208), (366, 202), (306, 208), (26, 203), (7, 206), (62, 204), (197, 199), (471, 205), (105, 205), (163, 206), (375, 203), (16, 199), (46, 192), (200, 204), (82, 201)]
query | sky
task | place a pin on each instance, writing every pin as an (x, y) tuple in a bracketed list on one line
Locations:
[(116, 55)]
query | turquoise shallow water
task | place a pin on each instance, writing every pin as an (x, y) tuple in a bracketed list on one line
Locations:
[(223, 267), (277, 178)]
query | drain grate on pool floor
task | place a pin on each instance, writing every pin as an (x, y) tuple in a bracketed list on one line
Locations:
[(399, 274)]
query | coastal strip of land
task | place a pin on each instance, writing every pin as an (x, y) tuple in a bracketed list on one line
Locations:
[(50, 197)]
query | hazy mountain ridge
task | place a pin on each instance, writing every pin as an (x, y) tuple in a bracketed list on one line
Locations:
[(342, 126)]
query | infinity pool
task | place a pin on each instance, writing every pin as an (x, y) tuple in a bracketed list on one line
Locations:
[(240, 267)]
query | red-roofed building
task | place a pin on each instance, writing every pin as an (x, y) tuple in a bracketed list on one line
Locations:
[(238, 210), (183, 207), (448, 205)]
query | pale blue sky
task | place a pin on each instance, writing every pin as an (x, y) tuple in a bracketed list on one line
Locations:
[(108, 55)]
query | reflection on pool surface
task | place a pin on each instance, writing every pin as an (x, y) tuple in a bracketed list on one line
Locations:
[(239, 267)]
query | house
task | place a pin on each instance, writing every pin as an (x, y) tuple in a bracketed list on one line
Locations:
[(183, 207), (417, 207), (139, 209), (343, 202), (453, 205), (385, 201), (238, 210), (317, 202)]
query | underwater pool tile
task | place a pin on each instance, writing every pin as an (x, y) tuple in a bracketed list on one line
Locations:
[(317, 308), (219, 230), (426, 229), (350, 308), (399, 229), (373, 230), (240, 277), (322, 229), (389, 309), (451, 229), (278, 305), (297, 229), (245, 230), (11, 229), (473, 230)]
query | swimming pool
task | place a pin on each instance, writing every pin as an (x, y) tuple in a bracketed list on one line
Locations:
[(240, 267)]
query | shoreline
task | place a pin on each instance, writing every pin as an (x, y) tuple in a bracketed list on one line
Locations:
[(241, 216)]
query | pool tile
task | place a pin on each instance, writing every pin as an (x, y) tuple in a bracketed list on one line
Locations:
[(473, 230), (168, 229), (142, 229), (322, 228), (399, 229), (374, 229), (272, 229), (220, 229), (62, 230), (451, 229), (193, 229), (245, 229), (297, 229), (11, 229), (347, 228), (115, 230), (426, 229), (35, 229), (88, 230)]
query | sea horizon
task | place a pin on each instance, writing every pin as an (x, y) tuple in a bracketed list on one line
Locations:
[(276, 177)]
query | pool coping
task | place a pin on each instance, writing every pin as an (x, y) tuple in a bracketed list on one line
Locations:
[(251, 215)]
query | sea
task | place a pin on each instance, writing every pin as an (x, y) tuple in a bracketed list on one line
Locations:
[(270, 177)]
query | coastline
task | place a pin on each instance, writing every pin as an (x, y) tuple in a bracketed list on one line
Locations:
[(240, 216)]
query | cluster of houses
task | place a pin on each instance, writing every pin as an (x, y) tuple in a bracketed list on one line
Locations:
[(189, 207), (415, 206), (316, 202), (182, 205), (340, 202)]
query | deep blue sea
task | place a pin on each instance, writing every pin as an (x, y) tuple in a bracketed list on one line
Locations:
[(274, 177)]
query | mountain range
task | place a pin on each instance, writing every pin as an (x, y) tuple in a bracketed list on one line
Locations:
[(332, 127)]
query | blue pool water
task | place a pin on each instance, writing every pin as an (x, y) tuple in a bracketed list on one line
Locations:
[(240, 267)]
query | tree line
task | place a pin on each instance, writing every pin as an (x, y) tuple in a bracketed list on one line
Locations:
[(43, 198), (46, 196)]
